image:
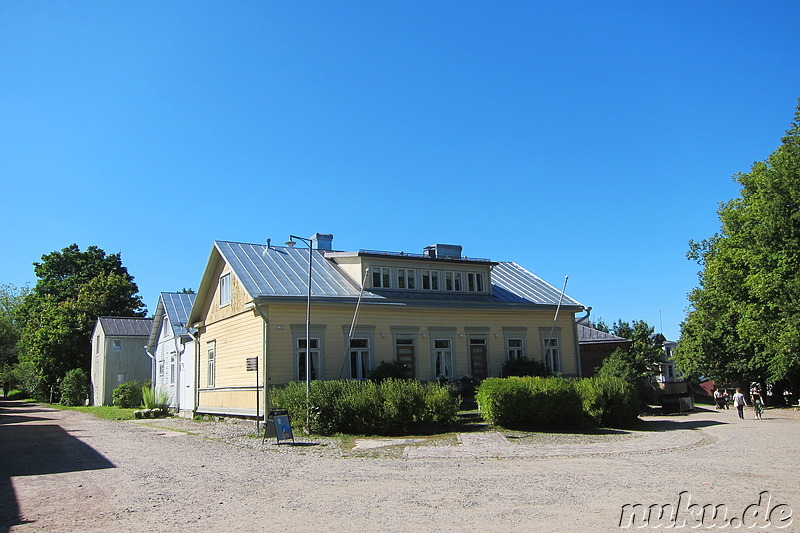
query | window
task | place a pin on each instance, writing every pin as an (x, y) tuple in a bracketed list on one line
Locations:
[(161, 369), (515, 348), (474, 281), (406, 278), (382, 278), (172, 370), (212, 369), (97, 345), (225, 290), (452, 281), (122, 378), (314, 354), (430, 280), (443, 358), (359, 358), (116, 345), (552, 357)]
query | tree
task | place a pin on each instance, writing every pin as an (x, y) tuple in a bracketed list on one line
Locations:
[(638, 364), (11, 300), (744, 324), (74, 289)]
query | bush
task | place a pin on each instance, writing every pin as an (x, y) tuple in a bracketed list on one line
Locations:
[(74, 387), (525, 367), (129, 394), (530, 401), (389, 407), (608, 401), (390, 370)]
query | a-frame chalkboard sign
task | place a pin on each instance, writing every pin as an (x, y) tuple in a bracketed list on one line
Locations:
[(278, 426)]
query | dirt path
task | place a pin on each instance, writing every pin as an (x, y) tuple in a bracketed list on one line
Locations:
[(68, 471)]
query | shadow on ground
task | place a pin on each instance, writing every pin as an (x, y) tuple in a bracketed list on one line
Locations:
[(33, 444)]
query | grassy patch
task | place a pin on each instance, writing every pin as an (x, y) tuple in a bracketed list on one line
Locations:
[(109, 412)]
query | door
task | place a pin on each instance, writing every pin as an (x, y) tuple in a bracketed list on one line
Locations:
[(477, 356), (405, 354)]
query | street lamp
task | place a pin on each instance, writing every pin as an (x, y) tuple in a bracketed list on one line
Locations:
[(291, 243)]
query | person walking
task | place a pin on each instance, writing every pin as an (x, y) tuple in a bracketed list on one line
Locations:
[(718, 398), (758, 404), (739, 402)]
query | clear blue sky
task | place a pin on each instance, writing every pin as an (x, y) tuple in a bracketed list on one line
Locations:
[(586, 139)]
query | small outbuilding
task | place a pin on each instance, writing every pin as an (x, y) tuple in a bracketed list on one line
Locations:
[(118, 354)]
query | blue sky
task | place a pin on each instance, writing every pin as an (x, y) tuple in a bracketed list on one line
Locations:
[(586, 139)]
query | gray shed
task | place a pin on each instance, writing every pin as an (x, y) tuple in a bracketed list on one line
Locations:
[(118, 354)]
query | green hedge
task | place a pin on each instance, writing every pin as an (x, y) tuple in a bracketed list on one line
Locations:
[(74, 387), (369, 407), (553, 402)]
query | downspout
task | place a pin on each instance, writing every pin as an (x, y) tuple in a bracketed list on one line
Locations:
[(265, 329), (196, 340), (153, 369)]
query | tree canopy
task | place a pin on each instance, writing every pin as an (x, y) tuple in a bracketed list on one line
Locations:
[(639, 362), (744, 323), (74, 288)]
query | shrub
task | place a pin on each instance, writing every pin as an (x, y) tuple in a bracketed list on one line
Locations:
[(74, 387), (525, 367), (608, 401), (390, 370), (129, 394), (530, 401), (368, 407), (155, 400)]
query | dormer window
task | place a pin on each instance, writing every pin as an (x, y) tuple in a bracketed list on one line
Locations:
[(382, 277), (452, 281), (475, 282), (430, 280), (406, 278)]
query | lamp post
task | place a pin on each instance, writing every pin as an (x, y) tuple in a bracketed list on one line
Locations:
[(290, 243)]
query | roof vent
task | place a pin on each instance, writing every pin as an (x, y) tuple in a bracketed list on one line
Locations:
[(324, 241), (443, 251)]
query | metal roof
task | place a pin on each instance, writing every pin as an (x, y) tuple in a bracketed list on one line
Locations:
[(126, 326), (588, 335), (276, 271), (283, 271), (177, 306)]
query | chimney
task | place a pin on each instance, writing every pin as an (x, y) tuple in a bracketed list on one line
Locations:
[(324, 241)]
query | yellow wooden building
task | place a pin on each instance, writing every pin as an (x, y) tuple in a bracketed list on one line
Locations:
[(438, 312)]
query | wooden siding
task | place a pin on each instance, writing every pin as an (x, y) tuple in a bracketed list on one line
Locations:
[(132, 361)]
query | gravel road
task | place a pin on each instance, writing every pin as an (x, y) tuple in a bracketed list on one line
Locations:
[(69, 471)]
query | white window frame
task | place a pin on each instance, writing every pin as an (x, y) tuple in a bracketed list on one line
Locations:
[(172, 368), (453, 281), (443, 358), (475, 282), (430, 280), (300, 358), (225, 289), (407, 278), (383, 276), (551, 353), (515, 351), (360, 358), (116, 345), (211, 377)]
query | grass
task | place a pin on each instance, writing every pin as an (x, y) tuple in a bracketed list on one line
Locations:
[(109, 412)]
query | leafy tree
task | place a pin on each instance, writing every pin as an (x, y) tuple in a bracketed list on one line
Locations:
[(74, 289), (745, 319), (11, 300), (639, 362)]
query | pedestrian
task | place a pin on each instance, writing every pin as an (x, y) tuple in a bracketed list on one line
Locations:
[(726, 399), (739, 402), (758, 404), (718, 398), (6, 387)]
